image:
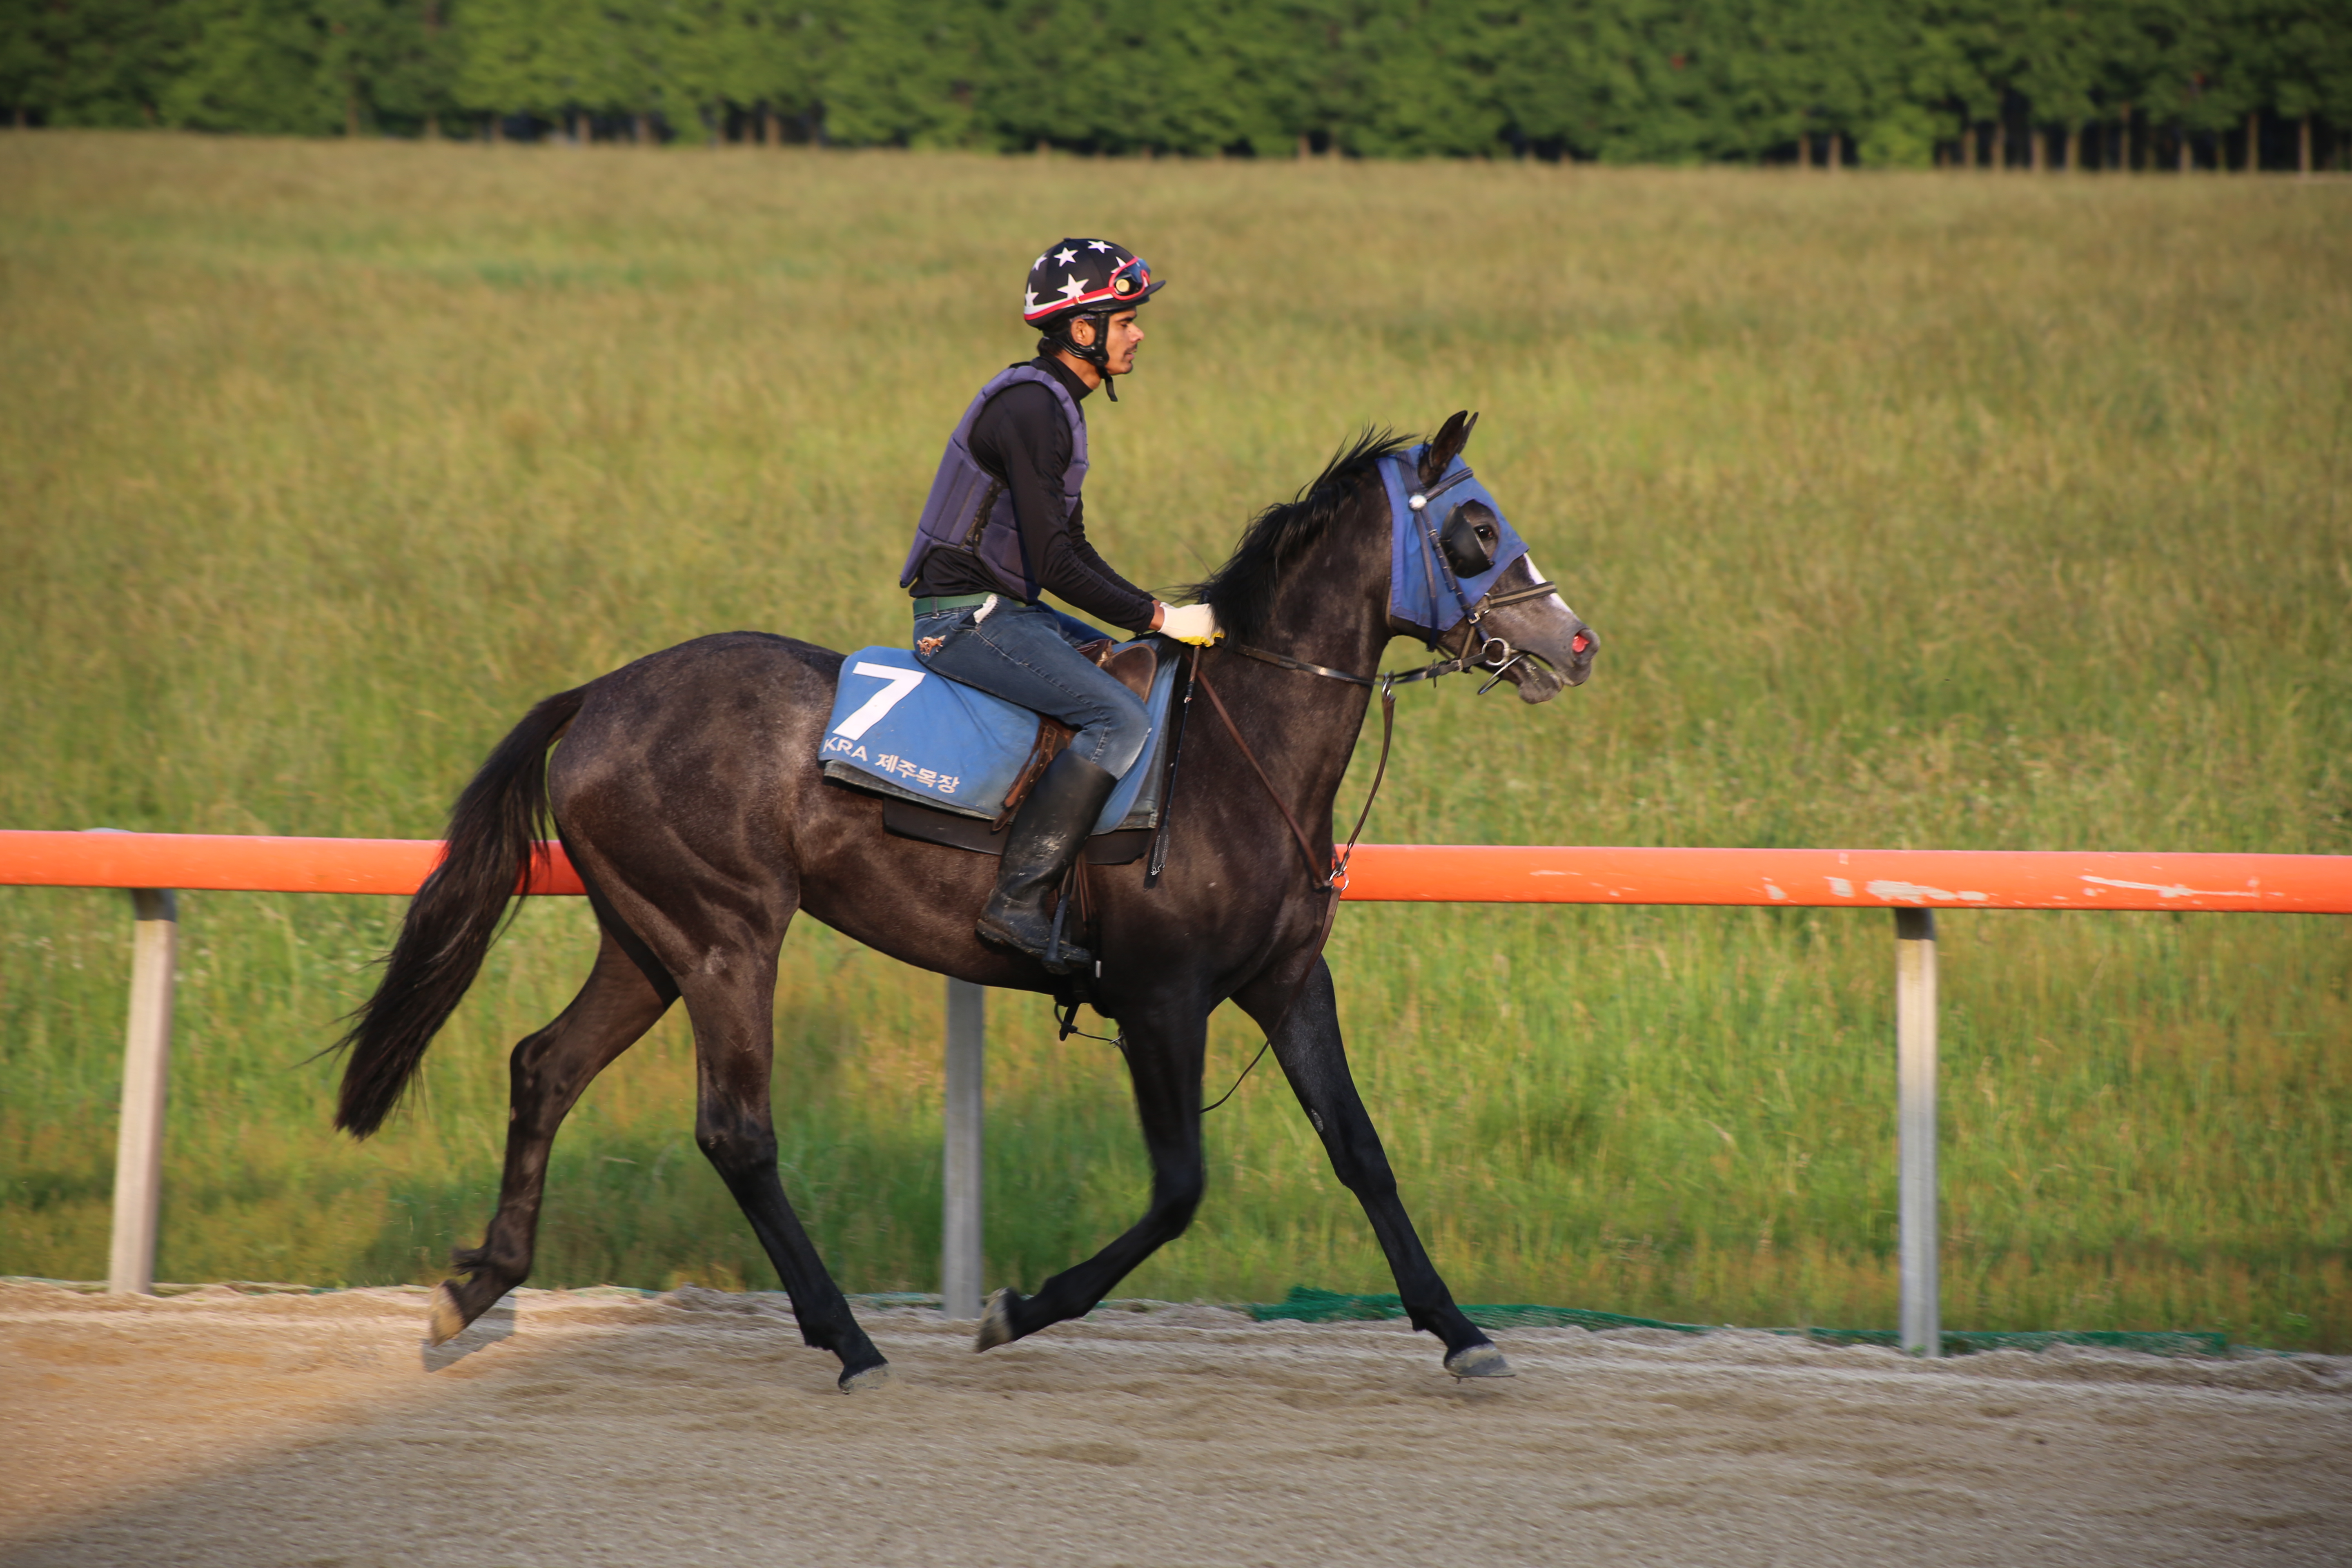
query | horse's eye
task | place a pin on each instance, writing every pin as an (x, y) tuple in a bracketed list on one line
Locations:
[(1469, 539)]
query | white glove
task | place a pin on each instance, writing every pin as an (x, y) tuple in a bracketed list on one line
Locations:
[(1190, 623)]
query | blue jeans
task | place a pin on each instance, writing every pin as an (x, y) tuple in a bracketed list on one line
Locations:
[(1027, 654)]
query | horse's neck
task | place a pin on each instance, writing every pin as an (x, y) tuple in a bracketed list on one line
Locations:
[(1332, 605), (1325, 612)]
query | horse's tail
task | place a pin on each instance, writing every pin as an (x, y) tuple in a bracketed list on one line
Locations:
[(493, 832)]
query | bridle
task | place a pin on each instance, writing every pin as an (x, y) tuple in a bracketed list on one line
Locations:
[(1493, 653)]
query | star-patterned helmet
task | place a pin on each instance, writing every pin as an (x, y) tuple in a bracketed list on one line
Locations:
[(1081, 275)]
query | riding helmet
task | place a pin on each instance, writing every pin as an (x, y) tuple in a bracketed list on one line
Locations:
[(1083, 276)]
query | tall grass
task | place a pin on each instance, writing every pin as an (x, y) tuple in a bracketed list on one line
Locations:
[(1915, 511)]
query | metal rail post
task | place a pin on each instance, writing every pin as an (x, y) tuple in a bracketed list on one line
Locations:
[(960, 1228), (1915, 1051), (146, 1073)]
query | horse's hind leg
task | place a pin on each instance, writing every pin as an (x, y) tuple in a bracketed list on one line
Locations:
[(549, 1070), (1315, 1060), (732, 999)]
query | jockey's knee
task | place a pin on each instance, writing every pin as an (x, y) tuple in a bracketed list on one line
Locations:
[(1113, 739)]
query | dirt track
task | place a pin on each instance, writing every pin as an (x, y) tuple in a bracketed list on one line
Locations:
[(217, 1428)]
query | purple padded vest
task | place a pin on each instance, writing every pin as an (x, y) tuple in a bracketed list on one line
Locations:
[(971, 509)]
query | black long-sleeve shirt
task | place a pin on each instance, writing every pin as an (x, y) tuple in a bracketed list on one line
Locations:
[(1022, 439)]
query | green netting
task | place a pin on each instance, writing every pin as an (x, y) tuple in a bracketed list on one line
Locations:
[(1312, 1306), (1309, 1305), (1962, 1342)]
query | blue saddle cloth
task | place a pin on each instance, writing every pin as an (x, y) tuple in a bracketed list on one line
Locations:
[(900, 729)]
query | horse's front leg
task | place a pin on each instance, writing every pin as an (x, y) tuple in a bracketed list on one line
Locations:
[(1315, 1060), (1164, 1050)]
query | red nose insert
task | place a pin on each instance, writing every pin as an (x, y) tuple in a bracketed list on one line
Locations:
[(1581, 642)]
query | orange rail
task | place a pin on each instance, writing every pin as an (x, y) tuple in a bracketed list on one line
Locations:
[(1902, 879), (236, 863), (1508, 874), (1855, 879)]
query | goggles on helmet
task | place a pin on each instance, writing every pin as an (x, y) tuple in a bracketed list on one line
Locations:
[(1132, 280)]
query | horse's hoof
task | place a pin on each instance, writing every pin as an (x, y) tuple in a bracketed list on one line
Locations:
[(881, 1374), (1479, 1361), (445, 1321), (996, 1321)]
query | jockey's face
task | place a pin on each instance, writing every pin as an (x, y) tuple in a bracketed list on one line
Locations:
[(1125, 333), (1119, 346)]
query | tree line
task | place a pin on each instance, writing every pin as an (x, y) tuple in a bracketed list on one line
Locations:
[(2174, 84)]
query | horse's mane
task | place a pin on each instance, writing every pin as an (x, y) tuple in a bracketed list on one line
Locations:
[(1242, 589)]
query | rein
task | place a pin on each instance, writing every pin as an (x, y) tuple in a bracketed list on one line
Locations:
[(1459, 664), (1334, 881), (1331, 882)]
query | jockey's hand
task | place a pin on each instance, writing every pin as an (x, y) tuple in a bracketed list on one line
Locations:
[(1194, 624)]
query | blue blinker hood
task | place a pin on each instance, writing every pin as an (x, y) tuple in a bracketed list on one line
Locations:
[(1422, 589)]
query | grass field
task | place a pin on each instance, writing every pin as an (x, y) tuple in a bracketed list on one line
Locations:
[(1934, 511)]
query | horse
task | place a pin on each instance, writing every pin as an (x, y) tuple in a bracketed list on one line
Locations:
[(688, 793)]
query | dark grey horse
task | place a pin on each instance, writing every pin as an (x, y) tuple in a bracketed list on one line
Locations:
[(687, 792)]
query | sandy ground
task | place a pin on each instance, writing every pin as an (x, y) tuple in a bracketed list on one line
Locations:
[(578, 1428)]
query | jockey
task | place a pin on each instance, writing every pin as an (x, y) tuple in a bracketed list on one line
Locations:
[(1004, 524)]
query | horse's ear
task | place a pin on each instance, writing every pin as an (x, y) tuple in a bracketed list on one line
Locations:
[(1446, 446)]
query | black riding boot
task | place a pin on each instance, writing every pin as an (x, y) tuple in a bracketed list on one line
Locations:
[(1048, 834)]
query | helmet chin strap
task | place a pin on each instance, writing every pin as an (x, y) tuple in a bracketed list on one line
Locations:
[(1096, 354)]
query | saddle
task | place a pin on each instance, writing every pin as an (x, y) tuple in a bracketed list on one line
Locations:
[(952, 763), (1132, 665)]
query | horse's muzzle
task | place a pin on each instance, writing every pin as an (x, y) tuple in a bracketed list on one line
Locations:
[(1580, 649), (1542, 674)]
